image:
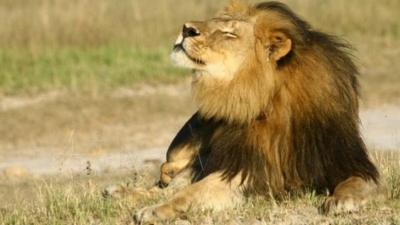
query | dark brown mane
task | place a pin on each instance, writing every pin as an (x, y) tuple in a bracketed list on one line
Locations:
[(309, 136)]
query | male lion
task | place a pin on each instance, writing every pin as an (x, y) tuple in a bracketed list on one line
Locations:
[(277, 113)]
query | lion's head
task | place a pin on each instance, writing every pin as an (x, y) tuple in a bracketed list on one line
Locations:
[(248, 56), (239, 35)]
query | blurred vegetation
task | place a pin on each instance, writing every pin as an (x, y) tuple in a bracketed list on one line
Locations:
[(102, 44), (82, 69)]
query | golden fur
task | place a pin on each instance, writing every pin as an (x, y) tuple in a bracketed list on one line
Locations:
[(277, 113)]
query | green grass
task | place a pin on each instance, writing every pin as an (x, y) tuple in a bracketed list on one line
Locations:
[(74, 68)]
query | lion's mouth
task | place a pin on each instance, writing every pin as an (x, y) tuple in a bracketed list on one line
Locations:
[(179, 47)]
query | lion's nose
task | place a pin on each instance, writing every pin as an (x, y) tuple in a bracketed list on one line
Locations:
[(189, 31)]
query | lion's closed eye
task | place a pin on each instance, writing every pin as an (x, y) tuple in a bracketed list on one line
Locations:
[(229, 34)]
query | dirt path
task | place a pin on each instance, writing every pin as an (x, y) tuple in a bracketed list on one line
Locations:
[(380, 127), (79, 163)]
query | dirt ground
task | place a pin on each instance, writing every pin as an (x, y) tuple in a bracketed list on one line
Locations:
[(59, 133)]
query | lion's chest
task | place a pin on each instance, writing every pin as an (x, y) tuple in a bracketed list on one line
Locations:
[(254, 152)]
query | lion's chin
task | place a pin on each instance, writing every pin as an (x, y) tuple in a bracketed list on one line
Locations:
[(182, 59)]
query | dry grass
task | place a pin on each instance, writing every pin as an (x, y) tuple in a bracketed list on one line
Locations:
[(44, 23), (101, 44), (88, 45), (77, 200)]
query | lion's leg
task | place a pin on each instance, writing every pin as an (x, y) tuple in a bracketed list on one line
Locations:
[(184, 148), (178, 160), (350, 194), (211, 192)]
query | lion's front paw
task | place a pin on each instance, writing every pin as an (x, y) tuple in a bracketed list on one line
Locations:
[(146, 215), (335, 204), (153, 215)]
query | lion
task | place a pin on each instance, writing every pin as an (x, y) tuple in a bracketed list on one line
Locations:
[(277, 114)]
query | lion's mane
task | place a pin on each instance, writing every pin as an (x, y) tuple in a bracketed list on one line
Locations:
[(294, 128)]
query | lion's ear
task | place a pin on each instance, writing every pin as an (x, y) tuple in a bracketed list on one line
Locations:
[(279, 45)]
